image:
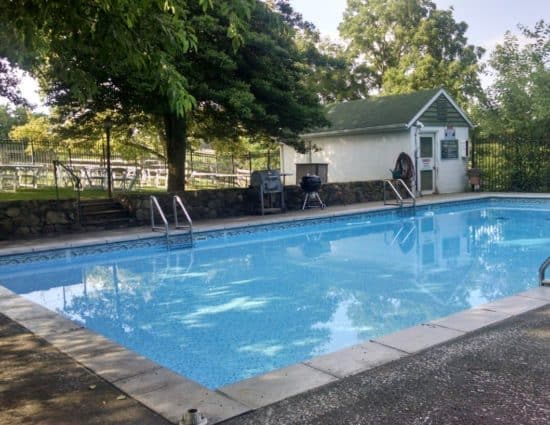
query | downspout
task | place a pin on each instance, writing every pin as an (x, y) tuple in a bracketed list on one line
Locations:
[(416, 126)]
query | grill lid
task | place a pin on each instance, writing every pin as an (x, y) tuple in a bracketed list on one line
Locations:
[(270, 180), (310, 183)]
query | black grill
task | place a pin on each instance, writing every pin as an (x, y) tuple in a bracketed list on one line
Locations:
[(311, 184)]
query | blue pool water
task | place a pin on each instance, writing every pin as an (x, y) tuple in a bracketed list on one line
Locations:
[(244, 303)]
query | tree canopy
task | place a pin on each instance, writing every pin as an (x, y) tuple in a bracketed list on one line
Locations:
[(224, 68), (399, 46), (10, 118), (518, 101), (140, 35)]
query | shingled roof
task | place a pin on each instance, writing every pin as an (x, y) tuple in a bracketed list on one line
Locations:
[(377, 113)]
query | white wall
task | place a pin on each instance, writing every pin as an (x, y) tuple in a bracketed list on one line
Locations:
[(450, 173), (370, 156), (351, 158)]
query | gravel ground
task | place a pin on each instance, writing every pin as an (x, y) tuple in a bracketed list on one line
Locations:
[(498, 375)]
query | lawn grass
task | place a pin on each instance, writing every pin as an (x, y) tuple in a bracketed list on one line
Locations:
[(48, 193)]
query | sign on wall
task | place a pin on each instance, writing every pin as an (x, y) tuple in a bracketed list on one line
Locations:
[(449, 149), (450, 133)]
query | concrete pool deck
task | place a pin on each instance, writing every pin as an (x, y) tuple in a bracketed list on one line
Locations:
[(170, 395)]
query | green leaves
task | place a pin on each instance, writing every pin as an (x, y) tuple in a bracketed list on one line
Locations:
[(399, 46), (228, 68), (518, 102)]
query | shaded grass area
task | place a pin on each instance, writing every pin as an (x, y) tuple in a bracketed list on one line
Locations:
[(48, 193), (41, 385)]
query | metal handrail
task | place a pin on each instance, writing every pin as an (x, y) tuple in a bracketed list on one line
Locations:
[(400, 200), (408, 191), (542, 271), (176, 200), (77, 184), (155, 203)]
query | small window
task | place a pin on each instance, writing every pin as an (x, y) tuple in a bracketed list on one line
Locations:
[(426, 180), (426, 147)]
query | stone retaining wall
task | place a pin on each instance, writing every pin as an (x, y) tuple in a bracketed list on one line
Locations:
[(222, 203), (20, 219)]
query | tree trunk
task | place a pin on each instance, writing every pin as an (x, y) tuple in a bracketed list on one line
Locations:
[(176, 138)]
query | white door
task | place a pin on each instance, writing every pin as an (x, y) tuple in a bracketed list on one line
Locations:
[(426, 164)]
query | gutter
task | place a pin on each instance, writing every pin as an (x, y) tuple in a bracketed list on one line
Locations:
[(378, 128)]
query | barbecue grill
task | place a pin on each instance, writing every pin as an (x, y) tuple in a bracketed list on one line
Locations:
[(311, 184), (269, 187)]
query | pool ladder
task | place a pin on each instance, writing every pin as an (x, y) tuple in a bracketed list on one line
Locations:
[(399, 200), (542, 270), (176, 204)]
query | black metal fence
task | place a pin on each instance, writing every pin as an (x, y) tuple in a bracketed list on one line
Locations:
[(203, 169), (513, 164)]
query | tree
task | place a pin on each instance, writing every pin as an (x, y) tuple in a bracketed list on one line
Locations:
[(330, 74), (400, 46), (514, 121), (10, 118), (33, 32), (36, 130), (79, 49), (206, 88), (518, 101)]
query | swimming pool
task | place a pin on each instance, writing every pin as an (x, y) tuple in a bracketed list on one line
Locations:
[(246, 301)]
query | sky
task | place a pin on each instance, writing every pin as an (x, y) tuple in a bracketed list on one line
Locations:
[(487, 20)]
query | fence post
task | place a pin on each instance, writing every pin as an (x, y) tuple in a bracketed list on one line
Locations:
[(55, 180), (473, 150)]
